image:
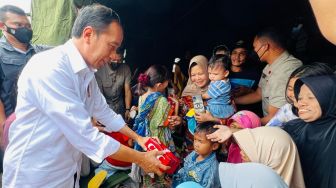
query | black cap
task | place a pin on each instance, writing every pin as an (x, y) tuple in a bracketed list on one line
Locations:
[(240, 44)]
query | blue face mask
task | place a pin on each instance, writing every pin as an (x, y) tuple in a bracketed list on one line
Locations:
[(22, 34)]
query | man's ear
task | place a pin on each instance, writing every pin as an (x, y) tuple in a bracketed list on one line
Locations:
[(2, 25), (88, 33), (268, 46)]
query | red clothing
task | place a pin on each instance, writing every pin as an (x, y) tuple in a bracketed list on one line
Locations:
[(124, 141)]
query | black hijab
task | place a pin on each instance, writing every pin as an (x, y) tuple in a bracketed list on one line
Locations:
[(316, 141)]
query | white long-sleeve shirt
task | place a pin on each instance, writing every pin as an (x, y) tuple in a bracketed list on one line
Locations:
[(57, 95)]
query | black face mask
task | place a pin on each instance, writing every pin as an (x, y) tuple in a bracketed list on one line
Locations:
[(256, 53), (22, 34)]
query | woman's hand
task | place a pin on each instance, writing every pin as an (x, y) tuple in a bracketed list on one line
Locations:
[(127, 115), (221, 135), (134, 108), (203, 117), (174, 121)]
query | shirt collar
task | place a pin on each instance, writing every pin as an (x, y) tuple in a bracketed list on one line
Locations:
[(207, 161), (6, 45), (77, 61)]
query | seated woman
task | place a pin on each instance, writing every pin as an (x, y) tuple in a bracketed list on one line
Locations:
[(315, 132), (270, 146), (289, 111)]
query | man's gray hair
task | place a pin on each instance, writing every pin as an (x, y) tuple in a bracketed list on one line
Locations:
[(96, 16), (11, 9)]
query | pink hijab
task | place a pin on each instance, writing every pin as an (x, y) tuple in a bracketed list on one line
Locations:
[(247, 120)]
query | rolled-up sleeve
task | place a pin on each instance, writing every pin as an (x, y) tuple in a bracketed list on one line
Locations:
[(103, 113)]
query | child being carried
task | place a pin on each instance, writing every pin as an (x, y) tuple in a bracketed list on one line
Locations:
[(219, 93)]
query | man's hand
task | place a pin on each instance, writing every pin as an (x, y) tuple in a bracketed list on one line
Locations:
[(203, 117), (221, 135), (149, 162)]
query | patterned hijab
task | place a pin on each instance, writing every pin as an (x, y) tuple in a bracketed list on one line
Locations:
[(191, 89)]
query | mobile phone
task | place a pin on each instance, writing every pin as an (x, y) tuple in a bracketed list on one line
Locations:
[(198, 104)]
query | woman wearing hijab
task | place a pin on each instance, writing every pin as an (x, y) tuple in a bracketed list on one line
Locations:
[(197, 84), (274, 148), (249, 175), (270, 146), (315, 132), (198, 76)]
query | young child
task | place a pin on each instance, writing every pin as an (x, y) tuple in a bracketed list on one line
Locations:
[(153, 111), (241, 120), (218, 94), (201, 165)]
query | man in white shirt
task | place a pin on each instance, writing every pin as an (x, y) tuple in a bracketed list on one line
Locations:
[(57, 96)]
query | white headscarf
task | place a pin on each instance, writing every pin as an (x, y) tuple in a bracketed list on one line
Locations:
[(245, 175)]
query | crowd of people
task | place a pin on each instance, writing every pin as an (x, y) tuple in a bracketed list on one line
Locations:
[(230, 124)]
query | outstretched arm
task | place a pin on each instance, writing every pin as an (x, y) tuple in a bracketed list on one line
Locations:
[(250, 98)]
